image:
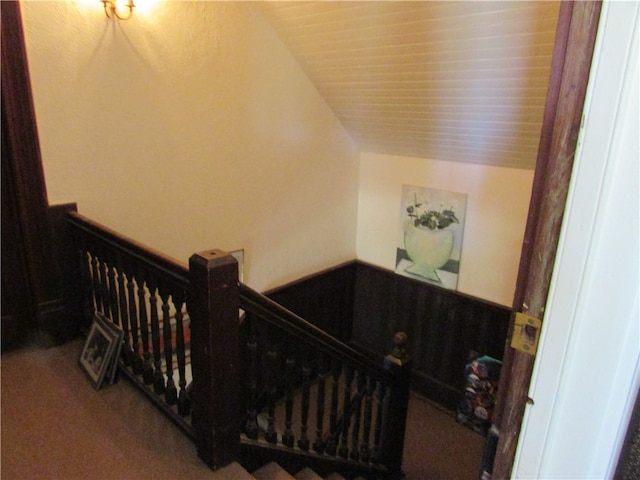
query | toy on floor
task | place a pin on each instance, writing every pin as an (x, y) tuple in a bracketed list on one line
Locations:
[(482, 375)]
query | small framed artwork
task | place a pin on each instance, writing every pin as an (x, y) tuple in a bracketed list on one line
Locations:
[(99, 357)]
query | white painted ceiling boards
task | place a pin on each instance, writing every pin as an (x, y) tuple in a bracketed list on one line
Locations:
[(455, 80)]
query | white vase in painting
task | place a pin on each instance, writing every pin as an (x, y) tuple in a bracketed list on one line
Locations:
[(428, 249)]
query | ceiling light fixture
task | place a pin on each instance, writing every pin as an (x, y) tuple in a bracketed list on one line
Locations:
[(114, 8)]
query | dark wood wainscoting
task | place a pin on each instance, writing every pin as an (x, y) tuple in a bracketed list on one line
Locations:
[(443, 327), (325, 299), (366, 305)]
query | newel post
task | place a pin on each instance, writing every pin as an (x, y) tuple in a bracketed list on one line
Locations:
[(213, 309), (399, 362)]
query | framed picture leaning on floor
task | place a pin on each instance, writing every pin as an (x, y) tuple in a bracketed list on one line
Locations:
[(99, 357)]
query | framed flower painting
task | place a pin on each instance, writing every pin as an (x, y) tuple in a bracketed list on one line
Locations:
[(430, 236)]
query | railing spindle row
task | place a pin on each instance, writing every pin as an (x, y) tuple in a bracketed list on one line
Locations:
[(146, 304), (357, 401)]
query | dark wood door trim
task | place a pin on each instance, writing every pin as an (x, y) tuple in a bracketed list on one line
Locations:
[(575, 41), (18, 312), (21, 159), (24, 148)]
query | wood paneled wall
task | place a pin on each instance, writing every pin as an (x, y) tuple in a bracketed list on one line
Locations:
[(324, 299), (366, 305), (443, 327)]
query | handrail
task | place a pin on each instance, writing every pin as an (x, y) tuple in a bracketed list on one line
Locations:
[(168, 266), (289, 322)]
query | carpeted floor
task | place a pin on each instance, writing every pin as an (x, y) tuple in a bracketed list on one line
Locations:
[(56, 426)]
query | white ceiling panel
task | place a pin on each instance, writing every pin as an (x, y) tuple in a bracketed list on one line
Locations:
[(455, 80)]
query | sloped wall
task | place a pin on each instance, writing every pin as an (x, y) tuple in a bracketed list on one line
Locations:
[(189, 127)]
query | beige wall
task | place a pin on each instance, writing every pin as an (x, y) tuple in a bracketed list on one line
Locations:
[(191, 127), (496, 214)]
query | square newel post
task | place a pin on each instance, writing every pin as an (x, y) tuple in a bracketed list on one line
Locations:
[(399, 362), (213, 308)]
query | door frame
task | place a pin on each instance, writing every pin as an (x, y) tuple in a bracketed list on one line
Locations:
[(21, 159), (575, 38), (571, 64)]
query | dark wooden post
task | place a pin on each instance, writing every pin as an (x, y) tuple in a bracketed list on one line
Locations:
[(213, 308), (399, 363)]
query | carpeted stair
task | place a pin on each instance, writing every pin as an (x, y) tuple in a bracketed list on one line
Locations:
[(273, 471)]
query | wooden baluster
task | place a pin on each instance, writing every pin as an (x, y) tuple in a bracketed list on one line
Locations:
[(251, 424), (170, 391), (357, 413), (113, 295), (124, 317), (271, 435), (158, 378), (346, 412), (287, 436), (104, 284), (332, 444), (147, 367), (88, 305), (97, 287), (303, 443), (381, 392), (319, 444), (365, 450), (184, 401), (136, 354)]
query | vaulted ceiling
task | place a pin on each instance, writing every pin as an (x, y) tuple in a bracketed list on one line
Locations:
[(454, 80)]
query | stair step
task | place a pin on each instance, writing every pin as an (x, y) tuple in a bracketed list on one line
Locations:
[(307, 474), (335, 476), (236, 471), (272, 471)]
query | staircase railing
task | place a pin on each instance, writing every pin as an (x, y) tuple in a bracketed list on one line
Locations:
[(244, 377), (325, 404), (144, 293)]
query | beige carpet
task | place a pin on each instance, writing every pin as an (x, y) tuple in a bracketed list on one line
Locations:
[(56, 426)]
